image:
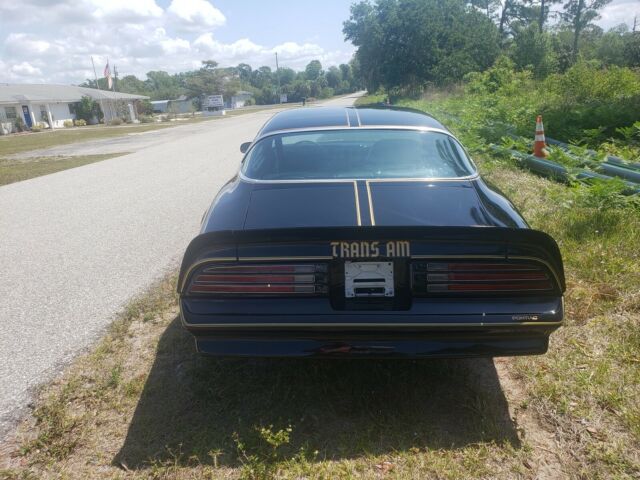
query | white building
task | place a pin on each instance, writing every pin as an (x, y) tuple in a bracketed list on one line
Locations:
[(51, 105), (240, 98), (179, 105)]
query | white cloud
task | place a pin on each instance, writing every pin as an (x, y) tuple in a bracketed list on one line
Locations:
[(57, 42), (27, 45), (26, 69), (207, 45), (617, 12), (195, 15), (129, 11)]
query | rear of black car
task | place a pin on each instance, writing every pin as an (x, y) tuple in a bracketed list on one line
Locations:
[(372, 292)]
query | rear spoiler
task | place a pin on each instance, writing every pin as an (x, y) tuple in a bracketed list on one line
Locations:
[(426, 242)]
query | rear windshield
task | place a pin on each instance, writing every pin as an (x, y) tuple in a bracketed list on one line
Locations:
[(357, 153)]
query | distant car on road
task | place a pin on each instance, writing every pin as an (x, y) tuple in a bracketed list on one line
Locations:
[(366, 232)]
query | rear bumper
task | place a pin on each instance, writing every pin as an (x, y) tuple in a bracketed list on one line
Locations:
[(425, 331), (450, 344)]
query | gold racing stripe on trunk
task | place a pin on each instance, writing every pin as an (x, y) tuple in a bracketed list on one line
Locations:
[(355, 190), (373, 219)]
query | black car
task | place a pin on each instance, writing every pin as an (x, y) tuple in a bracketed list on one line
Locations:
[(366, 232)]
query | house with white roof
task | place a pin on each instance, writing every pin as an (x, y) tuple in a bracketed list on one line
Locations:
[(51, 105)]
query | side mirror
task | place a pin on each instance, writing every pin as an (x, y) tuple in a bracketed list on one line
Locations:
[(245, 146)]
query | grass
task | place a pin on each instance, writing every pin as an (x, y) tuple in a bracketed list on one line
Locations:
[(587, 387), (143, 405), (13, 144), (18, 143), (17, 170)]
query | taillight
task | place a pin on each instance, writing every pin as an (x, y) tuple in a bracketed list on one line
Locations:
[(260, 279), (442, 278)]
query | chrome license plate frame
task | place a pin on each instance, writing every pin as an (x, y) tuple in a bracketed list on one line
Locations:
[(368, 279)]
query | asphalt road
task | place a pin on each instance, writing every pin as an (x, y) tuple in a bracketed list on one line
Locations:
[(77, 245)]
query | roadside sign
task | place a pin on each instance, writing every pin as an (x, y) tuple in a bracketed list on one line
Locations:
[(214, 101), (283, 98)]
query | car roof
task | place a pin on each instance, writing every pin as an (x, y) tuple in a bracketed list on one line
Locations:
[(348, 117)]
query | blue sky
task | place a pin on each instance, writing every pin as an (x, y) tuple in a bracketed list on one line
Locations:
[(52, 41)]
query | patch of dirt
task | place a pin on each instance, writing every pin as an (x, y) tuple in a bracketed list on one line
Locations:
[(548, 461)]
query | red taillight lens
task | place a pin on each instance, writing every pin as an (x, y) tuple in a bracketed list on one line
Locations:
[(263, 279), (438, 278)]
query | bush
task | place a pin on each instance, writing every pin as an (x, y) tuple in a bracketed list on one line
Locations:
[(80, 122), (37, 127), (68, 123), (87, 108), (144, 107), (502, 100), (146, 119), (19, 124), (115, 121), (249, 101)]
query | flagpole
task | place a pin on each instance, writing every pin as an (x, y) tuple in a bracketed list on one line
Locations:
[(98, 87), (114, 111)]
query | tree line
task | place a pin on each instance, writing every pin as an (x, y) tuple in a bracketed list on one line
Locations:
[(263, 83), (405, 45)]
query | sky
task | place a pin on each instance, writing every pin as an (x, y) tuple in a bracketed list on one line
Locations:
[(52, 41)]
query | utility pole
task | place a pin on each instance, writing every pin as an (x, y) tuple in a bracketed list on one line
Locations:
[(278, 79), (115, 78)]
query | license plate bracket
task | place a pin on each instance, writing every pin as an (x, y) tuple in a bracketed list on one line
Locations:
[(368, 279)]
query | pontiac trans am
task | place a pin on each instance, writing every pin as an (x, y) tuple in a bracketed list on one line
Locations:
[(366, 232)]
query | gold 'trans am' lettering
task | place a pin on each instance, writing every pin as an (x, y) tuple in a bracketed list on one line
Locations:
[(367, 249)]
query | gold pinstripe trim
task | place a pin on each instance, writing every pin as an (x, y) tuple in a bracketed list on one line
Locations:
[(269, 259), (458, 256), (390, 325), (355, 189), (373, 219)]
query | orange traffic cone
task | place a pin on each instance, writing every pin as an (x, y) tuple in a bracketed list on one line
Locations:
[(539, 144)]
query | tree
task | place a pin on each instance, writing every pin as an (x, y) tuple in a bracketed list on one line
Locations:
[(207, 81), (244, 71), (261, 77), (520, 14), (631, 50), (334, 77), (313, 70), (579, 14), (131, 84), (287, 75), (532, 50), (405, 44)]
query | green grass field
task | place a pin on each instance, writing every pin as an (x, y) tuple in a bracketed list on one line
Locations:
[(17, 170)]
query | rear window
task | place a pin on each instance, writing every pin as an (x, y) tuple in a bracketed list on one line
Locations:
[(357, 153)]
